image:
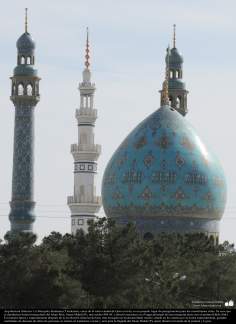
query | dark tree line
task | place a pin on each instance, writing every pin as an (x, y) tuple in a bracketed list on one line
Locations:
[(113, 267)]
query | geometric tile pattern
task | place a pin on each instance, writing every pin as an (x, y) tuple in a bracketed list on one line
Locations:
[(174, 174)]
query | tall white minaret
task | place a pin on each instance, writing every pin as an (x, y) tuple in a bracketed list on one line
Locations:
[(84, 204)]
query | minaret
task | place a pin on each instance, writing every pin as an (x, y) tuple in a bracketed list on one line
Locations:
[(84, 204), (177, 89), (25, 96)]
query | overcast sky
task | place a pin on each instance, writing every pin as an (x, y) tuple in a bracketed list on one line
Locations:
[(128, 42)]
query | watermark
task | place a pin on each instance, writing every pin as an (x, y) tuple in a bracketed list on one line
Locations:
[(212, 303)]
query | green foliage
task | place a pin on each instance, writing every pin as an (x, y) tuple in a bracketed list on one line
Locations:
[(113, 267)]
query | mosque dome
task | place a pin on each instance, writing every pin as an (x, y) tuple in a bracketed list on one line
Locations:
[(176, 84), (163, 178), (25, 69), (175, 57), (25, 44)]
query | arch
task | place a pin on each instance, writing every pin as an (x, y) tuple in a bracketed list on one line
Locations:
[(28, 60), (178, 102), (13, 89), (171, 74), (148, 236), (29, 90), (177, 74), (20, 89), (170, 101), (22, 60), (36, 88)]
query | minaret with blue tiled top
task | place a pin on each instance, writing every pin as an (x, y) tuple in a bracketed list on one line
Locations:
[(176, 85), (25, 96)]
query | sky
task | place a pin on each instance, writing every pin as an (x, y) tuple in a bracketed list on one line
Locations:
[(128, 40)]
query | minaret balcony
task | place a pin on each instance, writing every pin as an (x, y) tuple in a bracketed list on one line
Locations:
[(86, 115), (74, 200), (87, 87), (25, 99), (84, 207), (94, 148)]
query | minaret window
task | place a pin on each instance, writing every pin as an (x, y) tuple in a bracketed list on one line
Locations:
[(13, 89), (28, 60), (36, 88), (80, 222), (171, 74), (20, 90), (29, 90), (22, 60), (178, 101)]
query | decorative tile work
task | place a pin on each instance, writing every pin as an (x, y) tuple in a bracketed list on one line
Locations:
[(22, 181), (179, 160), (163, 142), (148, 159), (180, 194), (168, 176), (142, 141), (117, 195), (22, 204), (146, 194)]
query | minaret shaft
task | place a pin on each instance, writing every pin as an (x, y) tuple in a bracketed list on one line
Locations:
[(84, 203), (25, 96)]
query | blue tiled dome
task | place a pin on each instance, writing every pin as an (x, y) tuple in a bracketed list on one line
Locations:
[(163, 173), (25, 43)]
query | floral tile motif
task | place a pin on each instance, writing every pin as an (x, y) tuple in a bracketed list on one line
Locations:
[(146, 194), (142, 141), (180, 194), (179, 160), (117, 195), (148, 159), (164, 142)]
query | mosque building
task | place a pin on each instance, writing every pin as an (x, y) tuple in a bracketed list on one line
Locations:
[(25, 96), (84, 204), (162, 177)]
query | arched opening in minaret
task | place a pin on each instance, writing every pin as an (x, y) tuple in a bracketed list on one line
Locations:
[(20, 89), (13, 89), (22, 60), (171, 74), (29, 90), (178, 102), (36, 88), (28, 61), (177, 74)]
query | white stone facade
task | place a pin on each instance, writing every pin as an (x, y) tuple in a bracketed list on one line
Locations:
[(84, 204)]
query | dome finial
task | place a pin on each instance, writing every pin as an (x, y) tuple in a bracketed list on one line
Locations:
[(26, 20), (174, 35), (87, 64), (165, 92)]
